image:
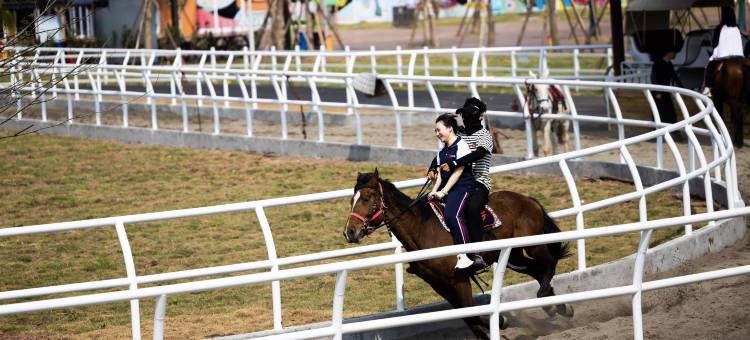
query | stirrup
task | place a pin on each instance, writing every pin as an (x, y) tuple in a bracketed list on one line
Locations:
[(478, 265)]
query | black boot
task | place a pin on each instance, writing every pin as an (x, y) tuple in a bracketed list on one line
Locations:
[(479, 264)]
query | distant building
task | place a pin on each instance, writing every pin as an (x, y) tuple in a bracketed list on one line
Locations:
[(57, 20)]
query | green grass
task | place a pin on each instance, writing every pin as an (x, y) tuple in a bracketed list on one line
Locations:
[(55, 179)]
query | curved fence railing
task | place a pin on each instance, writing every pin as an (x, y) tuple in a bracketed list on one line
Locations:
[(708, 159), (575, 61), (248, 91)]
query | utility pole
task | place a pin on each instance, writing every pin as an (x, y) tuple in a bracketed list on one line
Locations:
[(618, 45)]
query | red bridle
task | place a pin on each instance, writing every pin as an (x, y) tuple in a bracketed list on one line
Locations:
[(375, 212)]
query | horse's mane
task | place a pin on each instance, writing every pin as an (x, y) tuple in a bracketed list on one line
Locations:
[(424, 212)]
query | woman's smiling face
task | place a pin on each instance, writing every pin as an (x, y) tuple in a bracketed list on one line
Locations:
[(442, 132)]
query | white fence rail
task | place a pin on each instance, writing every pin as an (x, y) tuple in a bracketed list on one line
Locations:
[(573, 61), (241, 91), (716, 167)]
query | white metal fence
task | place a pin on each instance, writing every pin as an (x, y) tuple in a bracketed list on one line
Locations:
[(85, 69), (716, 166), (226, 86), (588, 62)]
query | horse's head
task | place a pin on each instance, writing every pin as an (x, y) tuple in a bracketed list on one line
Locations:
[(368, 207), (540, 92)]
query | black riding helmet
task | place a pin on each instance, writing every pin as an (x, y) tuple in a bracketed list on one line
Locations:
[(470, 113)]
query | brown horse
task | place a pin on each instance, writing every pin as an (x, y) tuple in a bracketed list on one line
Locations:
[(732, 88), (378, 202)]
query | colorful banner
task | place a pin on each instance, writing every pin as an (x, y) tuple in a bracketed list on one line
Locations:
[(382, 10)]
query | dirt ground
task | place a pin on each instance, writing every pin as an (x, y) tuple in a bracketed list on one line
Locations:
[(709, 310)]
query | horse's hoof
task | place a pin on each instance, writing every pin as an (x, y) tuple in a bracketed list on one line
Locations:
[(481, 332), (549, 310), (565, 310), (503, 322)]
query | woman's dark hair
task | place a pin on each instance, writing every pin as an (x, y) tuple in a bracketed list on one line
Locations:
[(472, 108), (448, 120), (727, 16)]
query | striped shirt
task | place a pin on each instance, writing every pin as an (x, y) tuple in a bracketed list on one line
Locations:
[(481, 168)]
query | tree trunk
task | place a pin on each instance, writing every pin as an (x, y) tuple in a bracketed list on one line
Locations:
[(490, 26), (430, 10), (175, 17), (278, 24), (552, 21), (529, 5), (482, 18), (572, 27), (309, 27), (148, 34)]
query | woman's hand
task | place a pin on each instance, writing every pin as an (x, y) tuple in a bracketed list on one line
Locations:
[(438, 195), (432, 175), (448, 167)]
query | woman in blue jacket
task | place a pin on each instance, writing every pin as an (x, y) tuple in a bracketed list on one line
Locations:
[(454, 186)]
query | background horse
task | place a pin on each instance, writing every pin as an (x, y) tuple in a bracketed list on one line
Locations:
[(732, 87), (378, 202), (543, 98)]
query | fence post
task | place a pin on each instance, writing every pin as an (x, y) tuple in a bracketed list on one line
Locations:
[(135, 314), (338, 304), (573, 189), (75, 74), (576, 64), (410, 83), (271, 250), (198, 81), (399, 273), (454, 64), (373, 61), (160, 310), (399, 63), (228, 66), (498, 273)]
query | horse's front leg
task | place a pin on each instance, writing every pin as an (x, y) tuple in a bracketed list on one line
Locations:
[(547, 147), (564, 135), (459, 296)]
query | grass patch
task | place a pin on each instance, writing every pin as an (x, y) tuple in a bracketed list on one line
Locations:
[(55, 179)]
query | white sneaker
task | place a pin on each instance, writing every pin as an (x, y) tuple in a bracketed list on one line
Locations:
[(706, 92), (463, 261)]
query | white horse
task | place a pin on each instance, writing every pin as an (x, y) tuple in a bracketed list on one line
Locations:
[(546, 99)]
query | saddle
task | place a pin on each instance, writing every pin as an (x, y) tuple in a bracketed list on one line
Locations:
[(490, 220), (557, 96), (720, 62)]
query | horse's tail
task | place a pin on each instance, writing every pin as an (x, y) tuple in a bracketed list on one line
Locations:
[(559, 250)]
